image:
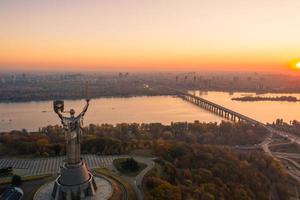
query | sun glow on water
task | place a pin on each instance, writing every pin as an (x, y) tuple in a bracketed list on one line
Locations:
[(298, 65)]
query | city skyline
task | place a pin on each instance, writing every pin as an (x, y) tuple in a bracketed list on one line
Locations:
[(150, 36)]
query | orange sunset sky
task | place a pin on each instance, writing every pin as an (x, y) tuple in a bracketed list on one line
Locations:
[(156, 35)]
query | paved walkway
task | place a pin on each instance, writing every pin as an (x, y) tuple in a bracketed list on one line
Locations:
[(52, 165)]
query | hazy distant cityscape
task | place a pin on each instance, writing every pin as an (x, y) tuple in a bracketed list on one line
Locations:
[(34, 87)]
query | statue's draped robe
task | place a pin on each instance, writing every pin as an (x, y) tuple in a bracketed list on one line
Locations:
[(73, 127)]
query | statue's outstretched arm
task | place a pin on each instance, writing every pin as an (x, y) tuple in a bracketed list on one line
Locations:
[(85, 108), (60, 115)]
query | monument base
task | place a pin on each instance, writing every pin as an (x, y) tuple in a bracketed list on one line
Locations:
[(104, 191), (74, 183)]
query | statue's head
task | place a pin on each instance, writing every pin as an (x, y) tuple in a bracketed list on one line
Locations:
[(72, 112)]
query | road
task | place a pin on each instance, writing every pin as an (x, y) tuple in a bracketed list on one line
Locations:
[(285, 159), (291, 166), (288, 155), (290, 136)]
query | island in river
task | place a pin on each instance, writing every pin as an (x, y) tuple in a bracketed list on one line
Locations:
[(258, 98)]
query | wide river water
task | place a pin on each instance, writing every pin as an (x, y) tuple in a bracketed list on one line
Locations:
[(163, 109)]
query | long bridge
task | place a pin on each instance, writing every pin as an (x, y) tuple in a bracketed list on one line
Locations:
[(216, 108)]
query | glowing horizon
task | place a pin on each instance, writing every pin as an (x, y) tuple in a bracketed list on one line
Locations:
[(146, 35)]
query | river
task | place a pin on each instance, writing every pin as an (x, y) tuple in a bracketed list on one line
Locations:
[(163, 109)]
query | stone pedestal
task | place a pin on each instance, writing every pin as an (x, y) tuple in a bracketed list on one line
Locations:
[(74, 183)]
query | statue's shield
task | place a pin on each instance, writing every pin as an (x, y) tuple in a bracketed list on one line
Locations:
[(58, 105)]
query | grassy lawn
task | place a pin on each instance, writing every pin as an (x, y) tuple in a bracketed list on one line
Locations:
[(130, 192), (7, 179), (286, 148), (276, 139), (20, 172), (142, 152), (118, 165)]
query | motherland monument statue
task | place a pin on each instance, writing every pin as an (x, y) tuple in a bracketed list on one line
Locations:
[(75, 181), (72, 126)]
